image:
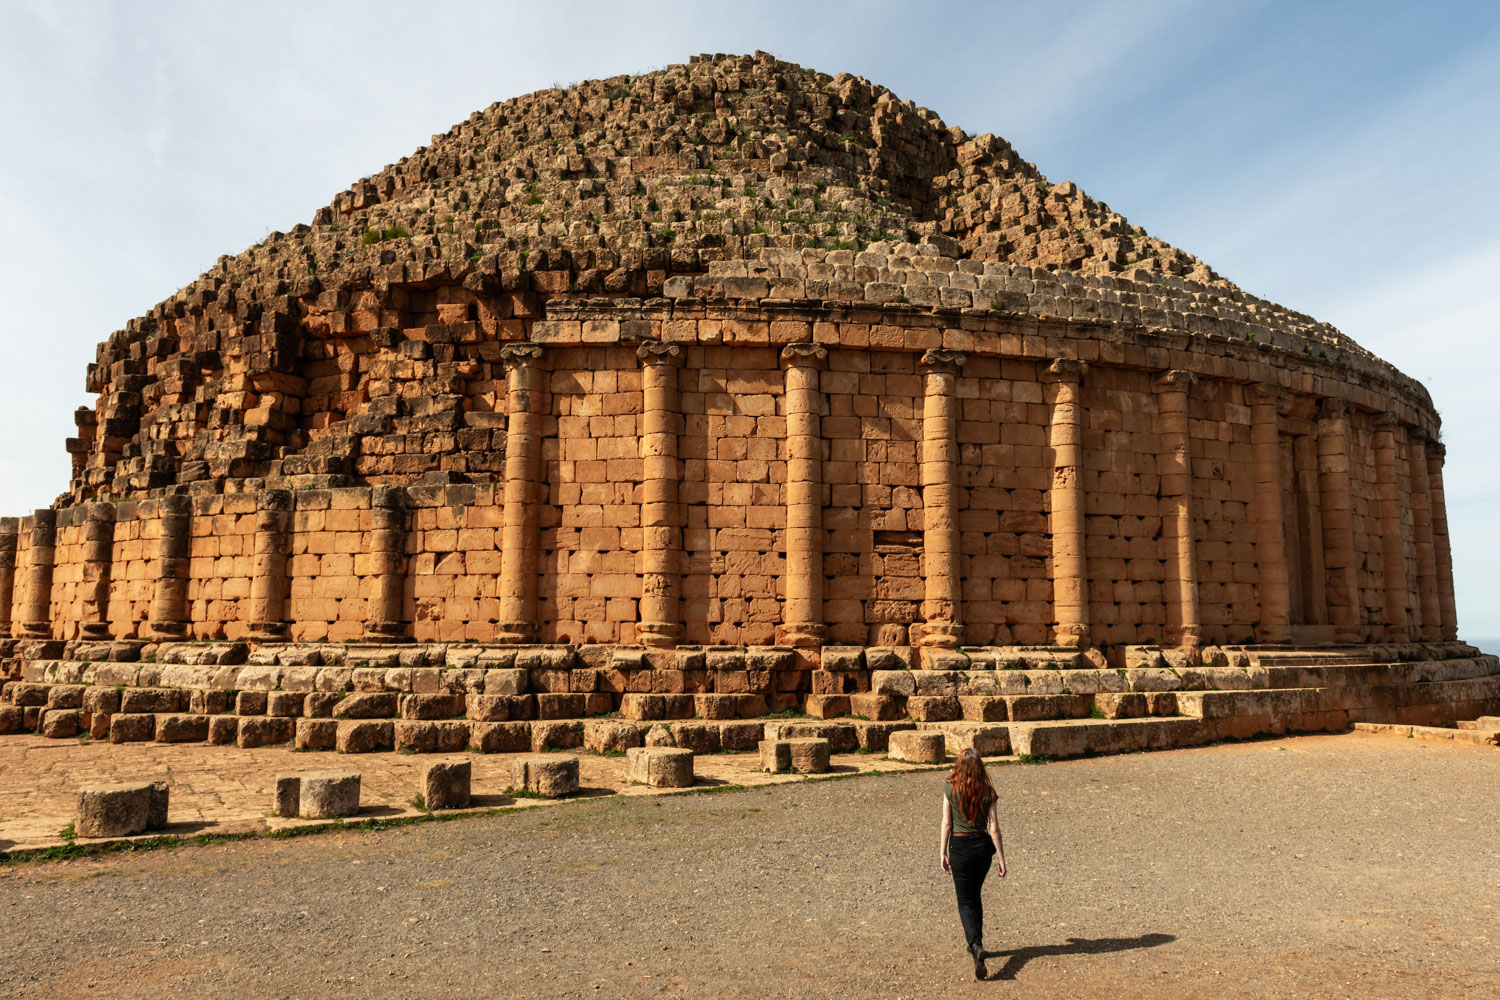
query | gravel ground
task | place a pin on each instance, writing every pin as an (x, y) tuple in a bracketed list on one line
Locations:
[(1321, 866)]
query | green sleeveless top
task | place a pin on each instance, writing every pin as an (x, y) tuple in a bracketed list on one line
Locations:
[(961, 822)]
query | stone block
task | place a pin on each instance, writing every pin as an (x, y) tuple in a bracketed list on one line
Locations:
[(826, 706), (659, 767), (432, 706), (740, 736), (808, 756), (121, 810), (251, 703), (555, 735), (320, 704), (552, 776), (897, 683), (265, 730), (446, 784), (610, 736), (660, 735), (97, 700), (775, 756), (223, 729), (699, 737), (365, 736), (288, 795), (716, 706), (367, 705), (500, 737), (1122, 706), (498, 707), (842, 737), (65, 696), (1162, 703), (208, 701), (414, 736), (506, 681), (985, 739), (181, 728), (138, 701), (566, 705), (933, 708), (327, 794), (317, 734), (877, 707), (125, 728), (12, 719), (285, 704), (874, 737), (983, 708), (918, 747), (59, 723)]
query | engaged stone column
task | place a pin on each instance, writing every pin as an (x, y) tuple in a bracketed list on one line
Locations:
[(1393, 558), (385, 563), (1421, 522), (941, 626), (1179, 551), (37, 616), (1070, 582), (9, 536), (270, 583), (1447, 611), (169, 610), (519, 542), (98, 554), (660, 622), (1270, 526), (1337, 502), (802, 613)]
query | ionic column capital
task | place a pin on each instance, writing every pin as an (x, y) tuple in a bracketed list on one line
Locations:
[(803, 356), (1176, 380), (655, 352), (520, 355), (1065, 370), (940, 360)]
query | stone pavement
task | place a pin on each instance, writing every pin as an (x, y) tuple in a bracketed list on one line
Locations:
[(232, 790)]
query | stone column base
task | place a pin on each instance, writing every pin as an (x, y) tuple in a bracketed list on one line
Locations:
[(32, 630), (385, 632), (658, 635), (1072, 636), (269, 631), (170, 631), (939, 635), (95, 632), (516, 633), (801, 635)]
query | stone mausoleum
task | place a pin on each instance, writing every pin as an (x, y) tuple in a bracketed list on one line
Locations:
[(729, 390)]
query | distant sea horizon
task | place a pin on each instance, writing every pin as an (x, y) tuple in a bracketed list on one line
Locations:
[(1486, 644)]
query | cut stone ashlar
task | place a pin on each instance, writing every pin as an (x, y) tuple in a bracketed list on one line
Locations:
[(660, 767), (121, 810), (552, 776), (918, 747), (804, 756), (446, 784), (317, 794)]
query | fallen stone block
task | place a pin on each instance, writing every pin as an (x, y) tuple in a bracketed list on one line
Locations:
[(918, 747), (775, 756), (809, 756), (121, 810), (610, 736), (365, 736), (265, 730), (500, 737), (125, 728), (446, 784), (875, 737), (327, 794), (660, 767), (223, 729), (552, 776), (181, 728), (431, 737), (317, 734), (59, 723)]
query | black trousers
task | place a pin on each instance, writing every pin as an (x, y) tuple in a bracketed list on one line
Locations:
[(970, 858)]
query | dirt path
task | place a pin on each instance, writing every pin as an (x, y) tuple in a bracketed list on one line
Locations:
[(1355, 865)]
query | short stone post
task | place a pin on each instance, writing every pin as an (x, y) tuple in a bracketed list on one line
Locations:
[(385, 563), (942, 622), (40, 555), (447, 784), (98, 555), (270, 583), (169, 610), (519, 541), (660, 622), (802, 611), (1062, 382)]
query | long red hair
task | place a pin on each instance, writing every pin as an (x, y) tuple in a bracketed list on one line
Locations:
[(972, 791)]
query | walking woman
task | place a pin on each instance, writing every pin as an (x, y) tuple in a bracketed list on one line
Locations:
[(970, 840)]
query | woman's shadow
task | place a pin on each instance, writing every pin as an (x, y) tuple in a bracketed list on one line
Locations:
[(1018, 957)]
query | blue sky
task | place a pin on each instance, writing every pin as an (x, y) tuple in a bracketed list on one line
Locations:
[(1340, 158)]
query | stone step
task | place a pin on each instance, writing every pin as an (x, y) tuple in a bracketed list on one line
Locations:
[(1475, 737)]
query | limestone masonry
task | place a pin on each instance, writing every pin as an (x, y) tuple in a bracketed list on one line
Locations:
[(726, 390)]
